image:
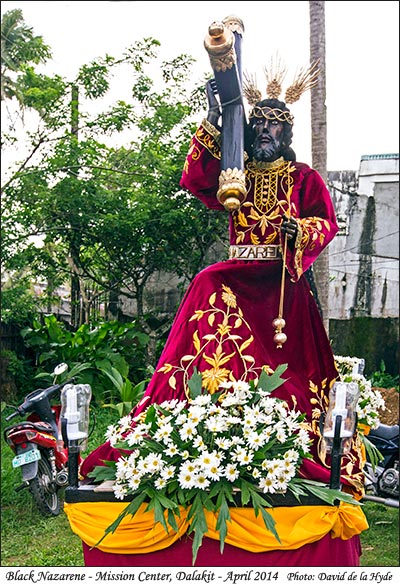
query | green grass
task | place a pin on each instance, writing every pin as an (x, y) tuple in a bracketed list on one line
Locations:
[(28, 539), (380, 543)]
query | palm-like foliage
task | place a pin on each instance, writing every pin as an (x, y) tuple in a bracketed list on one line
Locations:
[(19, 48)]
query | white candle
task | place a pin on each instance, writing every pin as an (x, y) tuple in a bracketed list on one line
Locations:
[(340, 398), (72, 404), (72, 415)]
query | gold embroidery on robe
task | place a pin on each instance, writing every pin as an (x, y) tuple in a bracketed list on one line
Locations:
[(226, 322)]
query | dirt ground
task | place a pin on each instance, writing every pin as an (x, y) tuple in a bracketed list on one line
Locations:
[(390, 415)]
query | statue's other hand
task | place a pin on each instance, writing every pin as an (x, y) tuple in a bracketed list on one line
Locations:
[(289, 227), (214, 110)]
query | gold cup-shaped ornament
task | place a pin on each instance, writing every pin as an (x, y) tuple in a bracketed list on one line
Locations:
[(220, 46), (232, 188)]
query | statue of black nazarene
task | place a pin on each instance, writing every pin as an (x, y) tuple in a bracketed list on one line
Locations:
[(254, 311)]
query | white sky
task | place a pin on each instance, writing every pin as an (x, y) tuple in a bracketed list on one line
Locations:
[(362, 49)]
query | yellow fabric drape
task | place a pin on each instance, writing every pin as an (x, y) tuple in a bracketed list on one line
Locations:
[(296, 526), (137, 535)]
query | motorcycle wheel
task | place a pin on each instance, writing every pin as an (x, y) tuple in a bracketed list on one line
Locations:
[(45, 491)]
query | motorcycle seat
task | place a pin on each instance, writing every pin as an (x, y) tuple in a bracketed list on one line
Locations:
[(40, 426), (385, 431)]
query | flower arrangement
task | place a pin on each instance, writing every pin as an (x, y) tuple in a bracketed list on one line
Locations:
[(370, 401), (234, 447)]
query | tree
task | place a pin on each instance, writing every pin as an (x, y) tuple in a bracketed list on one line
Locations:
[(108, 217), (319, 138)]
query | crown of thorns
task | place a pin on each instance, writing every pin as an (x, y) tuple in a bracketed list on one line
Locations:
[(305, 79)]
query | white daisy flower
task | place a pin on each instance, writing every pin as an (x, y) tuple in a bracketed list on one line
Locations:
[(188, 431), (215, 424), (243, 456), (186, 478), (201, 481), (268, 485), (160, 483), (223, 443), (214, 472), (231, 472), (163, 434), (120, 491), (201, 400), (134, 483), (154, 462), (168, 472)]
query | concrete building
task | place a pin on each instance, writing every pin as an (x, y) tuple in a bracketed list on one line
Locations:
[(364, 263), (364, 256)]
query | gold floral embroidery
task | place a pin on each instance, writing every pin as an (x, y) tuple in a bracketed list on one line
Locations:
[(260, 219), (194, 151), (310, 231), (208, 141), (193, 154), (319, 400), (217, 348)]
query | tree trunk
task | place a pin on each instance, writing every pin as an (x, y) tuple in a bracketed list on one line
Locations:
[(319, 139)]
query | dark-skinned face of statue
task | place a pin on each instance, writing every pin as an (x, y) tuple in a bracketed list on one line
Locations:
[(267, 144)]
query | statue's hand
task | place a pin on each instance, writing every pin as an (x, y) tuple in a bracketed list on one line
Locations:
[(214, 110), (289, 227)]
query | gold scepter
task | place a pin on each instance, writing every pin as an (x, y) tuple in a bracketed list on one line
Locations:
[(279, 323)]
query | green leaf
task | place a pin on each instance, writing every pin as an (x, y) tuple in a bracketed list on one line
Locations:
[(172, 520), (114, 376), (198, 525), (297, 491), (155, 504), (196, 515), (269, 523), (208, 504), (331, 496), (101, 473), (373, 454), (195, 384), (76, 369), (118, 407), (131, 509), (270, 382), (165, 502), (151, 414), (244, 492), (197, 542), (223, 517), (260, 505)]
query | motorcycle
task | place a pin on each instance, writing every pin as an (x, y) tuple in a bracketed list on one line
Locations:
[(41, 444), (382, 477)]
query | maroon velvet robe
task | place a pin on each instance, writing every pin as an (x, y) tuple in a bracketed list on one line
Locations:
[(224, 324), (224, 328)]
